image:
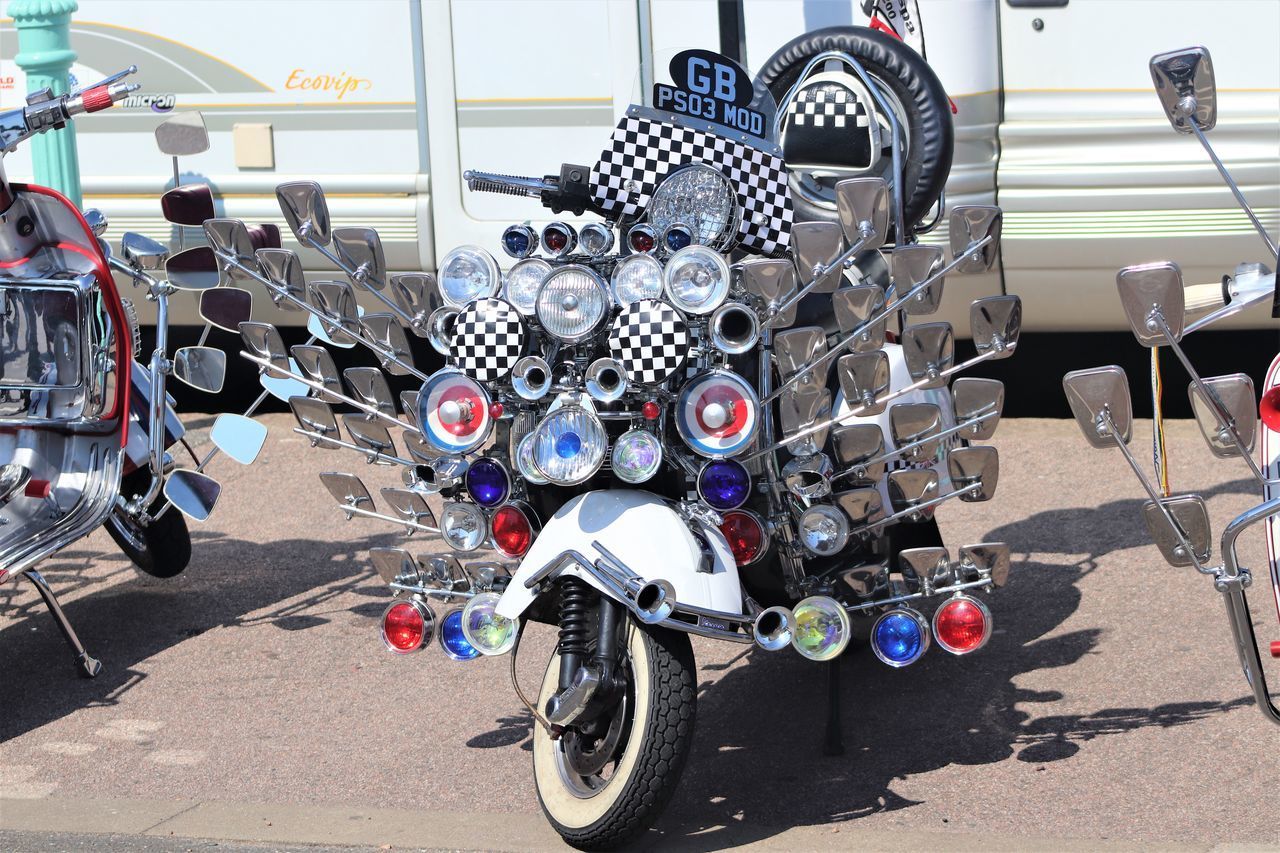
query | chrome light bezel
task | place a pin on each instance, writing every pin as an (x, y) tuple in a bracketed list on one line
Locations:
[(597, 324), (490, 264)]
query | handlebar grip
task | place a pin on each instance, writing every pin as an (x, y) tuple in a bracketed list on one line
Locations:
[(1199, 298), (97, 99)]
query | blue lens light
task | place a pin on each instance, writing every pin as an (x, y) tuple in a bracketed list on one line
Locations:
[(724, 484), (517, 242), (899, 637), (453, 641), (568, 445), (487, 482), (677, 238)]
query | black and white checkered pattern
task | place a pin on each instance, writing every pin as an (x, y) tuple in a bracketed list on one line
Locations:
[(642, 151), (827, 105), (488, 339), (650, 340)]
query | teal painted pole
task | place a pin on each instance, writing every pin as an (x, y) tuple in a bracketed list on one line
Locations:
[(45, 54)]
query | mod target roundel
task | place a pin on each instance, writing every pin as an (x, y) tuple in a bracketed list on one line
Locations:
[(717, 414), (453, 410)]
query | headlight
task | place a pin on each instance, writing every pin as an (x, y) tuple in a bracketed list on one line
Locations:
[(463, 526), (700, 197), (637, 456), (467, 273), (522, 283), (697, 280), (637, 277), (484, 629), (569, 445), (524, 462), (824, 530), (572, 303)]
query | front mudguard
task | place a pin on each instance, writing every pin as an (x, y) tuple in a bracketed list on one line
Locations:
[(643, 532)]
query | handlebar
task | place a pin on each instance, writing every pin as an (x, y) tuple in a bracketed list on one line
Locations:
[(1199, 298), (44, 111), (571, 190)]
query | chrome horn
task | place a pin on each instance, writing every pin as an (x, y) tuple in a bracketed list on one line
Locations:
[(772, 629), (655, 601), (440, 329), (735, 328), (606, 380), (531, 377)]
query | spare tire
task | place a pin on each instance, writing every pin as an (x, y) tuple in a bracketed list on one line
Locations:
[(917, 95)]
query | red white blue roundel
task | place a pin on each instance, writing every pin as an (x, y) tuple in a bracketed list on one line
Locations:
[(717, 413), (453, 410), (488, 339)]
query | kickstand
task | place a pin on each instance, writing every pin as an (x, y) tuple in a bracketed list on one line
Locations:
[(87, 666), (833, 743)]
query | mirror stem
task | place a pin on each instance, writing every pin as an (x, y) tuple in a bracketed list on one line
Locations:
[(920, 507), (1235, 190), (905, 448), (839, 263), (351, 274)]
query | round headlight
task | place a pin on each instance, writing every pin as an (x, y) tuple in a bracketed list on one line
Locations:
[(569, 445), (697, 279), (637, 456), (724, 484), (822, 629), (637, 277), (717, 413), (700, 197), (453, 411), (463, 526), (824, 530), (467, 273), (487, 482), (572, 303), (522, 283), (524, 462)]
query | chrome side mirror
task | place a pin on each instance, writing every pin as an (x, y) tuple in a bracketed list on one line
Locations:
[(409, 505), (369, 434), (337, 302), (190, 204), (396, 565), (1192, 516), (853, 307), (931, 565), (306, 211), (910, 487), (1098, 395), (912, 422), (795, 349), (347, 490), (226, 307), (855, 444), (316, 364), (143, 253), (283, 269), (863, 506), (97, 221), (862, 205), (1184, 82), (193, 493), (386, 330), (978, 403), (361, 250), (929, 349), (182, 135), (1150, 293), (369, 385), (239, 437), (230, 240), (817, 244), (314, 415), (996, 322), (975, 466), (985, 560), (411, 292), (263, 340), (203, 368), (864, 377), (1235, 399), (911, 265), (772, 281), (969, 224), (193, 269), (799, 408)]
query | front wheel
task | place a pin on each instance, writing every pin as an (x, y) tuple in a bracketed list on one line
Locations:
[(603, 790), (162, 548)]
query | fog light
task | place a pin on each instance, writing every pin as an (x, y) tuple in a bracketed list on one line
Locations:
[(487, 482), (484, 629), (824, 530), (745, 534), (900, 637), (452, 640), (463, 526), (821, 628), (512, 530), (962, 625), (724, 484), (636, 456), (407, 626)]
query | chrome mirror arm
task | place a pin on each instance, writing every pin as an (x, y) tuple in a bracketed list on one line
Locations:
[(819, 274), (915, 510), (1235, 190), (905, 448), (360, 275), (411, 526), (372, 456), (1232, 583)]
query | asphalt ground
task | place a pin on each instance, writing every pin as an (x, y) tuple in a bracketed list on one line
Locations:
[(249, 701)]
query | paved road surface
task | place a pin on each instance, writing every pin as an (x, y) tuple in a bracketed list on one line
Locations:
[(250, 698)]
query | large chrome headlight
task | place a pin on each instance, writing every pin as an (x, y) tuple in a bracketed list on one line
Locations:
[(637, 277), (568, 447), (701, 198), (467, 273), (573, 303), (522, 283), (697, 279)]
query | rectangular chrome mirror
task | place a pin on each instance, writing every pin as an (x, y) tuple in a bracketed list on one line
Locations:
[(854, 444), (912, 422), (305, 209), (969, 224), (978, 402), (818, 244), (800, 407), (863, 506), (862, 205), (1184, 82), (183, 135), (226, 307), (910, 487), (316, 364), (772, 281), (1099, 392), (409, 505), (230, 240), (996, 322), (866, 580), (1192, 516), (337, 302), (284, 387), (368, 433), (143, 253), (190, 204), (930, 566), (360, 249), (419, 450), (193, 493), (864, 377), (411, 292), (1234, 402), (853, 307), (315, 416), (975, 466), (283, 269), (347, 489), (239, 437), (795, 349), (194, 269), (386, 330), (369, 385), (409, 406), (929, 349), (203, 368), (985, 560), (396, 565), (912, 265), (1150, 293), (263, 340)]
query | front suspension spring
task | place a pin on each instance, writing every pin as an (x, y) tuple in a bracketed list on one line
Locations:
[(575, 616)]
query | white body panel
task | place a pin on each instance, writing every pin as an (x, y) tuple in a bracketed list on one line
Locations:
[(642, 531)]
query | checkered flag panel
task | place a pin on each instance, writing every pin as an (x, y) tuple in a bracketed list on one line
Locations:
[(827, 105), (650, 340), (642, 151), (828, 124), (488, 339)]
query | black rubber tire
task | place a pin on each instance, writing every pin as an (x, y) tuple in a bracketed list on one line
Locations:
[(930, 133), (167, 542), (666, 735)]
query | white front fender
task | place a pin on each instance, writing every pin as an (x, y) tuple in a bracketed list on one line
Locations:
[(642, 531)]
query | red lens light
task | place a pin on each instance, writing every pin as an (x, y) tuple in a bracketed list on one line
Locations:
[(555, 239), (745, 535), (403, 627), (495, 410), (642, 241), (512, 533), (961, 625), (650, 411)]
